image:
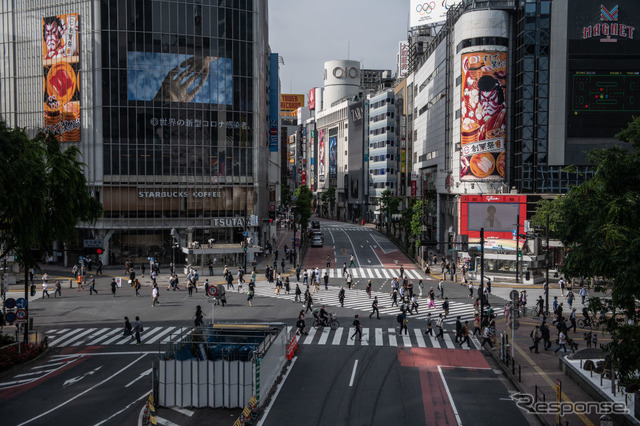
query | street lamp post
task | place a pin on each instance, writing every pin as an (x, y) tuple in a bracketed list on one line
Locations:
[(546, 265)]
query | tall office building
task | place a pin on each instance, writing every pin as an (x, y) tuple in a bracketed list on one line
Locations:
[(167, 102)]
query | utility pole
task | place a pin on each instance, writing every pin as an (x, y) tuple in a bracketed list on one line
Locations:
[(546, 264), (517, 248), (481, 276)]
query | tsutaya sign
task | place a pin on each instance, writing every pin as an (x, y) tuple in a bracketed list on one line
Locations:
[(178, 194), (608, 27), (227, 222)]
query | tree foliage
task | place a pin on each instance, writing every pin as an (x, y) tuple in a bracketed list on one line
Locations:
[(43, 194), (598, 223), (303, 205), (417, 220)]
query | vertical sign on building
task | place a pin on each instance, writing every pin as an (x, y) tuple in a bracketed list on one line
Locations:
[(312, 99), (274, 102), (61, 85), (403, 58), (483, 111), (321, 155)]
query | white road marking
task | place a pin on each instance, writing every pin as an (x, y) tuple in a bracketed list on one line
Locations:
[(353, 373)]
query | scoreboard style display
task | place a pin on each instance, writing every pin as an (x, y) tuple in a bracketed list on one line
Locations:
[(605, 91)]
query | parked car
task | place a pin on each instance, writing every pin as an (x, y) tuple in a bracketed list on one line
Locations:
[(315, 224)]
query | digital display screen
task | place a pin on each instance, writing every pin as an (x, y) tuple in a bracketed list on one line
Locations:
[(493, 217), (612, 91)]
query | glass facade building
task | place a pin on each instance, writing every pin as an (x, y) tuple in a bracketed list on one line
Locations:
[(171, 101)]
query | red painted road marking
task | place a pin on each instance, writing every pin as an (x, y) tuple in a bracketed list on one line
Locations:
[(437, 407)]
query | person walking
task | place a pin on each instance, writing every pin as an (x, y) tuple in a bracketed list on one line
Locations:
[(540, 303), (341, 295), (374, 308), (45, 290), (402, 320), (429, 325), (357, 327), (297, 293), (572, 319), (401, 271), (570, 296), (476, 326), (562, 342), (143, 268), (535, 335), (127, 331), (114, 286), (349, 281), (99, 267), (465, 335), (155, 295), (445, 306), (137, 286), (394, 297), (328, 262), (308, 303), (251, 294), (344, 269), (137, 329), (298, 273), (369, 289), (420, 287), (92, 286), (486, 337), (432, 299), (58, 289), (458, 329), (470, 290), (210, 267), (544, 332), (583, 293), (351, 261), (326, 280), (198, 317), (440, 327), (414, 304)]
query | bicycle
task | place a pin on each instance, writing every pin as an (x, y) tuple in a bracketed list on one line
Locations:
[(585, 323), (536, 311), (331, 322)]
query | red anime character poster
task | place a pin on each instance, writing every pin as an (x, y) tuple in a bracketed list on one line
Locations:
[(482, 119)]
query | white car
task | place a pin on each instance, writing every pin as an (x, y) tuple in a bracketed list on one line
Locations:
[(317, 241)]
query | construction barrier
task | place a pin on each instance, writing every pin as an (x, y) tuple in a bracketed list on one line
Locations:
[(292, 347)]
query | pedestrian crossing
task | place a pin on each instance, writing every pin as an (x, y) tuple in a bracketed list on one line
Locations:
[(346, 228), (368, 273), (371, 336), (359, 300), (381, 336), (105, 336)]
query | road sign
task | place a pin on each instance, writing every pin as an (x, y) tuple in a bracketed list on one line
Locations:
[(21, 314), (213, 290), (10, 303), (96, 243), (514, 294), (514, 232), (245, 234), (21, 303), (10, 317), (297, 242)]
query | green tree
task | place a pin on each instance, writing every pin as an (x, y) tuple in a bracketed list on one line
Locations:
[(285, 195), (303, 205), (389, 204), (417, 220), (43, 194), (598, 223)]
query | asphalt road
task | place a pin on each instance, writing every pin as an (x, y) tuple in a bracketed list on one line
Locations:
[(79, 389), (348, 386)]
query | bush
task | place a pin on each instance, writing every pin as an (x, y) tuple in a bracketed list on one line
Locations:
[(10, 355)]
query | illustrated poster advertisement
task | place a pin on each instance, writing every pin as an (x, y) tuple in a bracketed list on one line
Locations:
[(483, 112), (61, 86)]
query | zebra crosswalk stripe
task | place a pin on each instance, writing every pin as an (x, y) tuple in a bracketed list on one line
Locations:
[(338, 336), (419, 338), (392, 337), (324, 336), (379, 341), (309, 339)]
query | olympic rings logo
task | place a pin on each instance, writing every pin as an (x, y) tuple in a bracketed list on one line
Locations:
[(426, 8), (447, 4)]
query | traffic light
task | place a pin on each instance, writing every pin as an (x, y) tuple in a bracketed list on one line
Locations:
[(94, 250), (245, 246)]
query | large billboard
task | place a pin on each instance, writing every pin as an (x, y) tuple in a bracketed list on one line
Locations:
[(497, 214), (61, 85), (333, 157), (321, 153), (483, 113), (429, 12), (174, 77), (291, 102)]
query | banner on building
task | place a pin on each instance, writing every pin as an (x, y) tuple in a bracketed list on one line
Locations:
[(321, 133), (61, 85), (291, 102), (429, 12), (483, 111)]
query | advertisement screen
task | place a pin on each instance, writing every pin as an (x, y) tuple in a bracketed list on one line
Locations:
[(493, 217), (483, 111), (333, 157), (291, 102), (321, 155), (61, 86), (173, 77)]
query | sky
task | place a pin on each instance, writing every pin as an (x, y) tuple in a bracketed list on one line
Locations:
[(307, 33)]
